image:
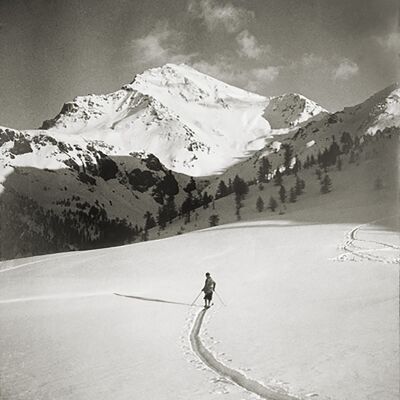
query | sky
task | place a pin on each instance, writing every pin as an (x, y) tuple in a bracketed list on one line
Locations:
[(335, 52)]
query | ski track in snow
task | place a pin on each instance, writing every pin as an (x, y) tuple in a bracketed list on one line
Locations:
[(226, 372), (54, 297), (353, 252)]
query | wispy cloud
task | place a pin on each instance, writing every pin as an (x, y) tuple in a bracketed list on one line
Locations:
[(220, 69), (261, 77), (311, 59), (249, 46), (215, 15), (161, 45), (345, 70), (335, 66), (267, 74), (253, 79), (390, 42)]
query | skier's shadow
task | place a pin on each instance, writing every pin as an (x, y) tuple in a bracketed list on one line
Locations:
[(152, 299)]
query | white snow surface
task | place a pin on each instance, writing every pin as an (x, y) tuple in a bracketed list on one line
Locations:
[(296, 319)]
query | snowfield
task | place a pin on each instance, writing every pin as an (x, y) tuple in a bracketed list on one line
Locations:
[(298, 320)]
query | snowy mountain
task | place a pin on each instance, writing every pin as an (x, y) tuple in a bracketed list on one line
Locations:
[(193, 123)]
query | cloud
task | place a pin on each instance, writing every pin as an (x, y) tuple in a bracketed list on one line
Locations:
[(338, 67), (221, 69), (161, 45), (260, 77), (251, 78), (311, 59), (390, 42), (249, 46), (345, 70), (216, 15), (266, 74)]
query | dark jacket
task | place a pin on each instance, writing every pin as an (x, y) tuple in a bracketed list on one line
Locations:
[(209, 285)]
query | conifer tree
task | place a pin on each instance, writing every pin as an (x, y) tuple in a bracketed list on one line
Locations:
[(326, 184), (187, 207), (287, 157), (282, 194), (260, 204), (238, 206), (264, 170), (292, 195), (347, 142), (213, 220), (222, 190), (299, 186), (278, 178), (191, 186), (240, 187), (273, 204), (334, 152)]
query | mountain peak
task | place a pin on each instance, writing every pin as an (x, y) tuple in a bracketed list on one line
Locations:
[(188, 83), (291, 109)]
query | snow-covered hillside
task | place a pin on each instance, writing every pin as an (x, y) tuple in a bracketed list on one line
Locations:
[(300, 319)]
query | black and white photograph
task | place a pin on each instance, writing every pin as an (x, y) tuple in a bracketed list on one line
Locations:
[(199, 199)]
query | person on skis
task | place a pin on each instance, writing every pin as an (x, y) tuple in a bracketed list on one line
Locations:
[(208, 289)]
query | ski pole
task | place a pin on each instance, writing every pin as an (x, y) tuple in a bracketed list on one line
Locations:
[(220, 298), (194, 301)]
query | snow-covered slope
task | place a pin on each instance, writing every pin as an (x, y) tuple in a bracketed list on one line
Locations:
[(290, 110), (297, 319), (193, 123)]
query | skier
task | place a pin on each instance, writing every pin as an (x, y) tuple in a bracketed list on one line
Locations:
[(208, 289)]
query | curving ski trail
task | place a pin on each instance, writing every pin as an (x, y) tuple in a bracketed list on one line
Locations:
[(226, 372), (361, 253)]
